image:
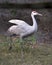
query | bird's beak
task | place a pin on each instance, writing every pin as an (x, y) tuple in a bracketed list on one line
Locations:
[(39, 14)]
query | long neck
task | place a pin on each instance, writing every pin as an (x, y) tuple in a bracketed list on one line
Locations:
[(34, 21)]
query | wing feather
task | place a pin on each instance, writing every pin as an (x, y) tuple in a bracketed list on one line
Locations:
[(15, 21), (21, 24)]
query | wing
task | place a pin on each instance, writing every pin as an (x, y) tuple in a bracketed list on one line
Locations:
[(18, 22), (21, 24)]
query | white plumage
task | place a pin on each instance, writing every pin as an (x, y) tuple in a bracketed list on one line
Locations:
[(22, 28)]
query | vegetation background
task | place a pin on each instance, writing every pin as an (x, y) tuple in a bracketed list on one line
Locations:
[(28, 53)]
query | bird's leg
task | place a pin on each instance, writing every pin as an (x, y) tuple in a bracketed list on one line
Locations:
[(21, 46), (21, 39), (9, 39), (21, 42), (35, 35)]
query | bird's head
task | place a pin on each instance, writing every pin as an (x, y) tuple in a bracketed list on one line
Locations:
[(36, 13)]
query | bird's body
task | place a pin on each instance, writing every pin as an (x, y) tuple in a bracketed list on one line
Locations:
[(22, 28)]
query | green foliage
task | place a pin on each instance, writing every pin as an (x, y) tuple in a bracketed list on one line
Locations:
[(24, 53)]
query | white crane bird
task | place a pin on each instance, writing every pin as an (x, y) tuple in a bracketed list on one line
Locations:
[(22, 28)]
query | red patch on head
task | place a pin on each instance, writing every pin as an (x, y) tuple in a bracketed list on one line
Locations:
[(34, 11)]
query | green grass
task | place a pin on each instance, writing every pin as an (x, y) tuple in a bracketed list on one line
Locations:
[(29, 54)]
